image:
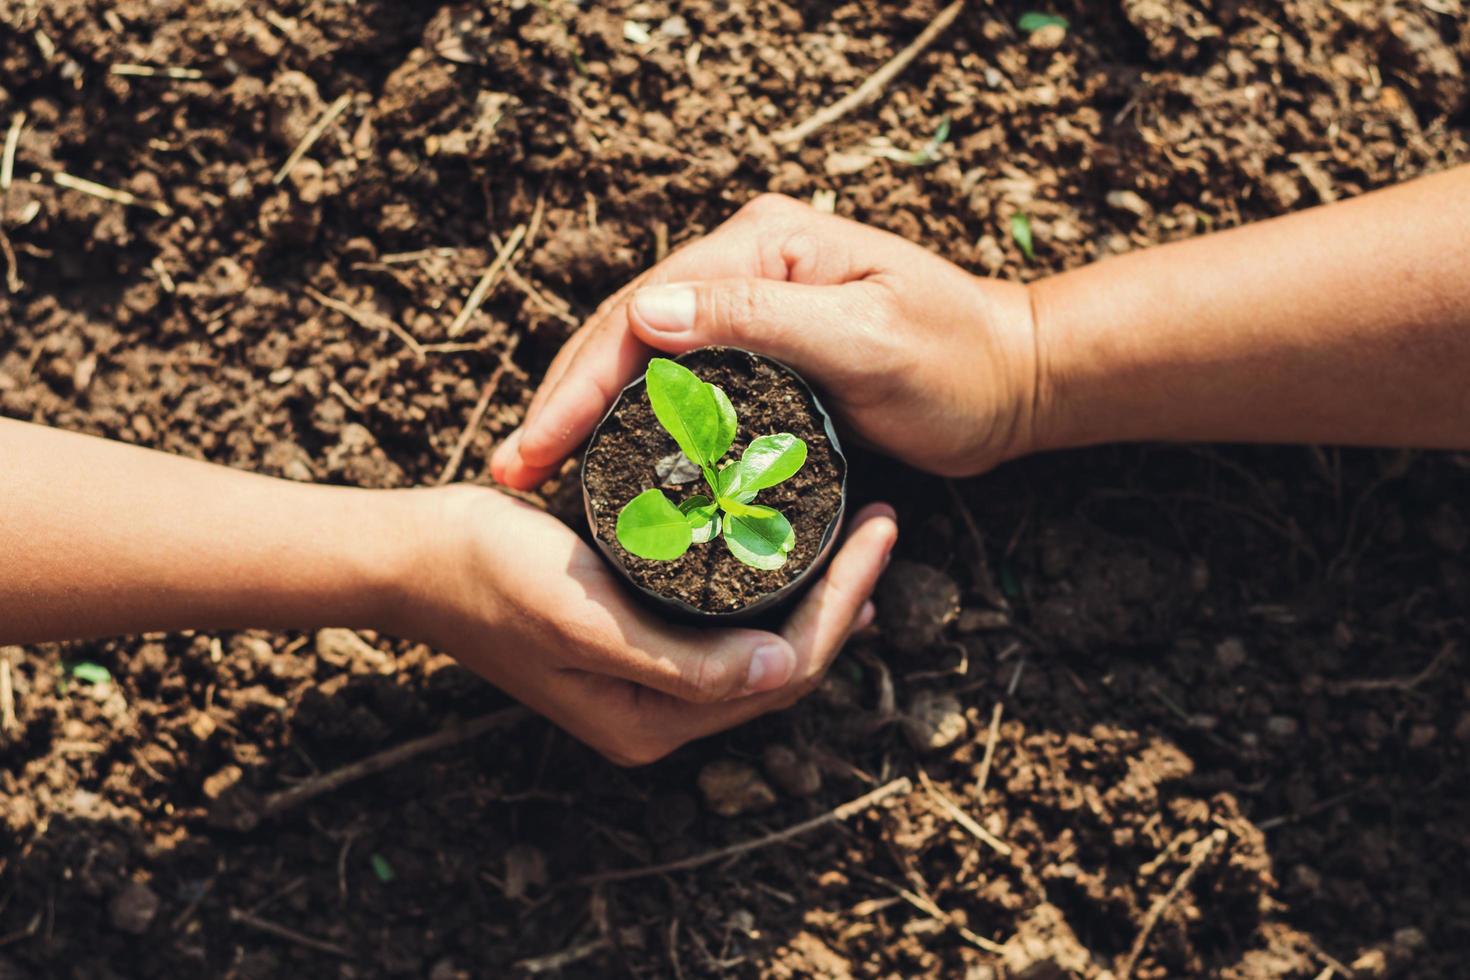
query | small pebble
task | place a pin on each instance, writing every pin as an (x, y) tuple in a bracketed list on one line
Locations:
[(1282, 726), (133, 909), (934, 720), (1422, 736), (1230, 654), (1129, 201), (981, 621), (731, 788), (446, 969), (915, 603), (525, 869), (216, 785), (793, 771), (1462, 727), (1306, 879), (1048, 37)]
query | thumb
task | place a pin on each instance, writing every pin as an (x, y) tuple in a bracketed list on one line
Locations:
[(812, 328)]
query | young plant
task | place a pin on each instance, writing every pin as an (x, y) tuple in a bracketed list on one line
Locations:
[(702, 421)]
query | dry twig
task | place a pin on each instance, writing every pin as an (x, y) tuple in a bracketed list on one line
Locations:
[(874, 84), (7, 697), (887, 702), (984, 579), (287, 799), (25, 932), (990, 740), (482, 288), (1197, 857), (7, 158), (106, 193), (290, 935), (370, 320), (927, 905), (564, 957), (477, 415), (312, 135), (551, 305), (148, 71), (851, 808), (1394, 683), (959, 816), (12, 268)]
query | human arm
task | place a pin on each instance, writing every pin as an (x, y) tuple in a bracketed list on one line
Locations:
[(98, 538), (1348, 323)]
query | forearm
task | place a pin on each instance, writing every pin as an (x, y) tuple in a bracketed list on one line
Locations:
[(1346, 324), (99, 538)]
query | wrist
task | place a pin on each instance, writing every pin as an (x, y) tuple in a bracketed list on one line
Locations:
[(1001, 382), (422, 589), (376, 542), (1086, 375)]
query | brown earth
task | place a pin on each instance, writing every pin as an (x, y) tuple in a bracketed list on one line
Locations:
[(1244, 662), (622, 461)]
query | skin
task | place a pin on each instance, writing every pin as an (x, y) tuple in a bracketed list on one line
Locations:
[(98, 538), (1348, 324)]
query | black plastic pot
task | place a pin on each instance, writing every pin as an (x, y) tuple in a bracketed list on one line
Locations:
[(768, 607)]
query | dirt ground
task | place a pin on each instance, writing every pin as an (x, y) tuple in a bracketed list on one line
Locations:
[(1230, 682)]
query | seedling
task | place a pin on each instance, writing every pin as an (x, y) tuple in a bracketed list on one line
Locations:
[(84, 671), (382, 869), (1021, 235), (702, 421), (1034, 20)]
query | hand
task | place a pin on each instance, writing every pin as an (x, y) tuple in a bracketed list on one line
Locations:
[(518, 598), (915, 356)]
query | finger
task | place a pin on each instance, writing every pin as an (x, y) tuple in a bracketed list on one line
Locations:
[(706, 666), (509, 469), (771, 237), (829, 612), (567, 356), (699, 666), (506, 465), (610, 357), (763, 241), (837, 607), (819, 330)]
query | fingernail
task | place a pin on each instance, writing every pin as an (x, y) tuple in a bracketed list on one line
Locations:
[(667, 309), (865, 616), (771, 666), (502, 452)]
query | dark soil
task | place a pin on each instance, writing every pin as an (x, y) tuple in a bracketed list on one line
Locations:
[(623, 455), (1265, 642)]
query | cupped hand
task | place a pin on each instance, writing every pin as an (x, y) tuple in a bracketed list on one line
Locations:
[(520, 599), (915, 356)]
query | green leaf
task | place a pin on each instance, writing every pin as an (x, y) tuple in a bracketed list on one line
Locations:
[(650, 526), (1035, 20), (929, 152), (89, 672), (728, 485), (761, 537), (382, 868), (728, 423), (703, 515), (687, 408), (1021, 234), (770, 460)]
